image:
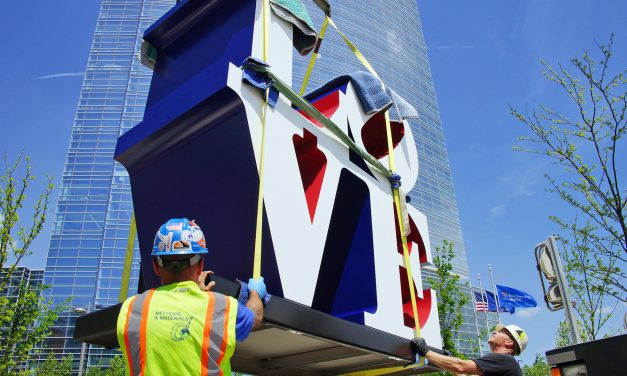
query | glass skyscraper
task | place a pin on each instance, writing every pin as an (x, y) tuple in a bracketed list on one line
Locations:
[(94, 210), (90, 232)]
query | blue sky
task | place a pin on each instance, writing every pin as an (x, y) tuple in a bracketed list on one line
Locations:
[(484, 55)]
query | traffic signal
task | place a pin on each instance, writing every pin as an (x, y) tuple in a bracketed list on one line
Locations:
[(546, 264), (554, 283)]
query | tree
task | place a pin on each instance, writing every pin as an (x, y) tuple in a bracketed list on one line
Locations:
[(53, 367), (538, 368), (117, 367), (586, 147), (562, 337), (24, 314), (581, 266), (451, 299)]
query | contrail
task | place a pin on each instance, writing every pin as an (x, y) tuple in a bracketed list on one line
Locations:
[(58, 75)]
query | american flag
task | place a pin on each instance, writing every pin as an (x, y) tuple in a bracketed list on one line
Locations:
[(481, 304)]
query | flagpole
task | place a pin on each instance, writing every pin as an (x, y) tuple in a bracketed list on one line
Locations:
[(496, 295), (474, 300), (485, 311)]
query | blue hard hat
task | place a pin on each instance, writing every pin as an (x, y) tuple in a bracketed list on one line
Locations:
[(179, 236)]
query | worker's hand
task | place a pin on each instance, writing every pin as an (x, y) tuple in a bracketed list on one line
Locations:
[(420, 346), (204, 281), (258, 285)]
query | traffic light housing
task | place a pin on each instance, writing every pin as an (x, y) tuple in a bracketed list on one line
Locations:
[(547, 269)]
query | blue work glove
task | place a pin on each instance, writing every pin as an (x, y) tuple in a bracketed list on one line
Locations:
[(243, 293), (258, 285)]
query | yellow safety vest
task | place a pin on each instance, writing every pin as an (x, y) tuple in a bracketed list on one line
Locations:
[(177, 329)]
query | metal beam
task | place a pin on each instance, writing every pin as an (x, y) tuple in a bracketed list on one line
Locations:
[(316, 356)]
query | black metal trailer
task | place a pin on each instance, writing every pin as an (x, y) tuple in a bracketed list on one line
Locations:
[(293, 340), (607, 356)]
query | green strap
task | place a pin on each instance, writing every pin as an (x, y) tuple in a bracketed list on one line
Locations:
[(313, 112)]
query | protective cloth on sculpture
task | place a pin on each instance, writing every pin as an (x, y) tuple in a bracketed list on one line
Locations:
[(400, 109), (260, 80), (371, 95), (294, 12)]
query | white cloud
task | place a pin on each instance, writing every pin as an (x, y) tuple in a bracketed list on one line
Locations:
[(528, 312), (524, 183), (606, 309), (497, 211), (527, 181), (60, 75), (469, 47)]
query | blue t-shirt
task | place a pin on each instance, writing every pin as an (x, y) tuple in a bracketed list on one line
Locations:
[(244, 322)]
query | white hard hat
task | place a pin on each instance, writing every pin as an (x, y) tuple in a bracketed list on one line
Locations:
[(519, 336)]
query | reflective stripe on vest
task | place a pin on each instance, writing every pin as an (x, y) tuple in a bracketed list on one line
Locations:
[(215, 335), (122, 329), (134, 333), (139, 329)]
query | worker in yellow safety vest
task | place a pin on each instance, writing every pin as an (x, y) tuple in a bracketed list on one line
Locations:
[(182, 327)]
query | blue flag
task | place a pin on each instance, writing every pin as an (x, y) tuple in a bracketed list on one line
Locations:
[(492, 304), (510, 297)]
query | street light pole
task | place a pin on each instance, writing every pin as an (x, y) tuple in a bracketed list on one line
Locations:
[(81, 363), (474, 310), (496, 295)]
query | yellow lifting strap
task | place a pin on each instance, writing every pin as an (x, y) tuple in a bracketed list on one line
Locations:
[(259, 223), (358, 54), (314, 56), (392, 166), (128, 259), (401, 227)]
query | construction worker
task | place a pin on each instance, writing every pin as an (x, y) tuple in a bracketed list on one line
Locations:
[(183, 328), (505, 342)]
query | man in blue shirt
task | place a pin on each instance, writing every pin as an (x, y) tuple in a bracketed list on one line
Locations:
[(505, 342)]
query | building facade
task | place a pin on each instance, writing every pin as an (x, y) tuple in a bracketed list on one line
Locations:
[(94, 209), (20, 278), (31, 278)]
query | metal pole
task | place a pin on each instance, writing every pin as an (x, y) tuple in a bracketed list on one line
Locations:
[(474, 310), (485, 311), (568, 307), (496, 295), (81, 364), (483, 294)]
